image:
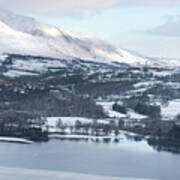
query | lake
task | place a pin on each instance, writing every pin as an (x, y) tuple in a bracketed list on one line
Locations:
[(124, 159)]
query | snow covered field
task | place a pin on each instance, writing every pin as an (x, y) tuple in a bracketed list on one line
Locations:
[(172, 110), (27, 174), (70, 121), (107, 106)]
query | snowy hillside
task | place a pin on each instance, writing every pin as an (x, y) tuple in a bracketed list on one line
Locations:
[(25, 35)]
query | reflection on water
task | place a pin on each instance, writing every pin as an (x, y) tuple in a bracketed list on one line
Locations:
[(172, 148)]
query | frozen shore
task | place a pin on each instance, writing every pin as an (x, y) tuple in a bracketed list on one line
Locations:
[(15, 140), (19, 173)]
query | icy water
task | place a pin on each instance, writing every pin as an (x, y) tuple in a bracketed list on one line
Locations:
[(125, 159)]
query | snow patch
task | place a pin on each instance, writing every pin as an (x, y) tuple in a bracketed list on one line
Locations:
[(15, 140), (170, 111), (107, 106)]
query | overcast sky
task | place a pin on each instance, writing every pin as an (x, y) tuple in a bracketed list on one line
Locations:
[(150, 27)]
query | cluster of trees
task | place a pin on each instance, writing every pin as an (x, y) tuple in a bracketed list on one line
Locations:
[(22, 125), (141, 104), (168, 141), (119, 108), (174, 133), (152, 111), (48, 102)]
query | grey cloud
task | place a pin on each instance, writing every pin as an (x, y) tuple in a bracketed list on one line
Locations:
[(64, 7), (170, 28), (55, 7)]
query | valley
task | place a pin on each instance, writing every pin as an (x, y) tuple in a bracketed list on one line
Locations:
[(74, 106), (82, 101)]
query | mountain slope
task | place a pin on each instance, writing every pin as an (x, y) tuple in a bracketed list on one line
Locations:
[(25, 35)]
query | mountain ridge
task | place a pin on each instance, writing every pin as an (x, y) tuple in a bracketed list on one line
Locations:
[(57, 43)]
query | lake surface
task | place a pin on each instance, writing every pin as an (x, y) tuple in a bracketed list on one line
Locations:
[(124, 159)]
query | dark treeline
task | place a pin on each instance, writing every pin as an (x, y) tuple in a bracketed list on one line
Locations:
[(22, 125)]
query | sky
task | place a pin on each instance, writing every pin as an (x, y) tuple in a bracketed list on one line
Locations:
[(149, 27)]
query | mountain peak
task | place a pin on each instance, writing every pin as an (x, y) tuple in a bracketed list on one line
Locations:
[(27, 24)]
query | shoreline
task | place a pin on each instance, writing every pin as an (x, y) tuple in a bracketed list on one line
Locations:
[(124, 135), (6, 139)]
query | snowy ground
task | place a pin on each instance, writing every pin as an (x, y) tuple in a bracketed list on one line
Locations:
[(133, 115), (15, 140), (171, 111), (26, 174), (70, 121), (107, 106), (16, 73), (146, 84)]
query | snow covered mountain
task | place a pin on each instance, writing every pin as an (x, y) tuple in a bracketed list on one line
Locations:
[(25, 35)]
